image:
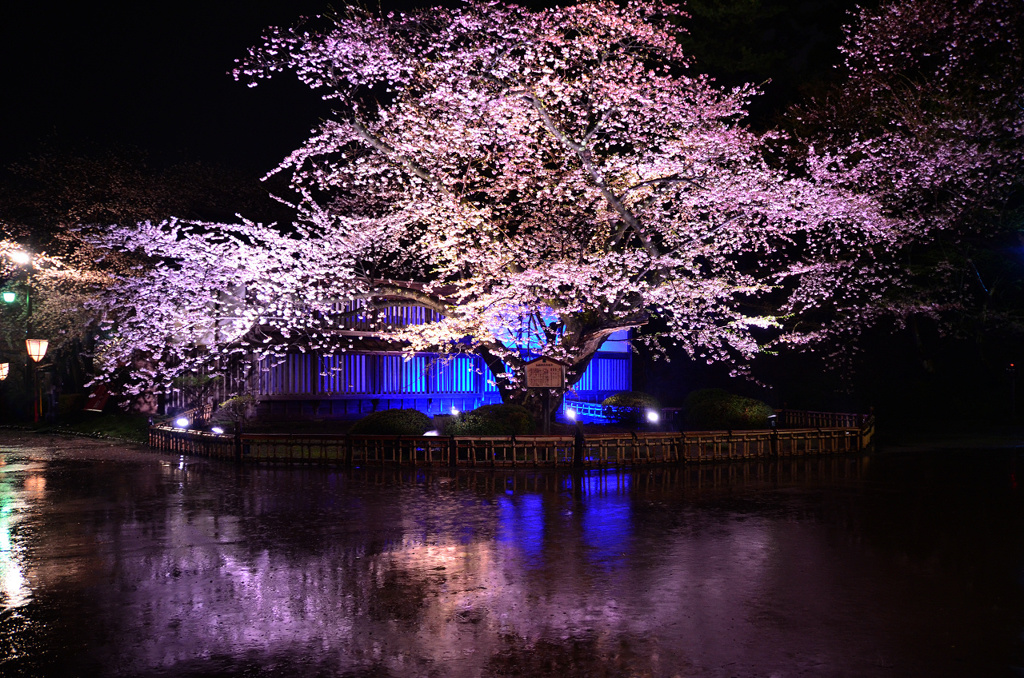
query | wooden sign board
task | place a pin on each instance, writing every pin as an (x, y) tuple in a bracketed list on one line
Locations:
[(545, 373)]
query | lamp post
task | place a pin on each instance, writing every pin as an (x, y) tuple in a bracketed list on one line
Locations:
[(36, 348), (36, 351)]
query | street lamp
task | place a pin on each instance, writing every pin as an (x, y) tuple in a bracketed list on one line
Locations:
[(36, 348)]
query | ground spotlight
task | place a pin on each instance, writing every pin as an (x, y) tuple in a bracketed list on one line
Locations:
[(182, 422)]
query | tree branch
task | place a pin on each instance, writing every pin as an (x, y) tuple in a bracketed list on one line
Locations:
[(586, 159)]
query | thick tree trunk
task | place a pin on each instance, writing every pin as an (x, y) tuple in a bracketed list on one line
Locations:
[(533, 398)]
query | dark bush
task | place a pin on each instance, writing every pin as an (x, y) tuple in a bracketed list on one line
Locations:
[(491, 420), (393, 423), (629, 407), (70, 403), (715, 409)]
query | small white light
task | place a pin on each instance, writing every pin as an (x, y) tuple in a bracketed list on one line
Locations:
[(181, 422), (571, 414), (431, 433), (217, 429), (21, 258), (455, 410), (652, 416)]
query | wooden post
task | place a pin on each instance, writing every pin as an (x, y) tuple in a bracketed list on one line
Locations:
[(546, 428), (579, 447), (238, 441)]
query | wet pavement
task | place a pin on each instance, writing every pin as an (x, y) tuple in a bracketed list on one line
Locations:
[(118, 561)]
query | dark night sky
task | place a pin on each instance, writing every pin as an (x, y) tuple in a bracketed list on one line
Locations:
[(155, 76)]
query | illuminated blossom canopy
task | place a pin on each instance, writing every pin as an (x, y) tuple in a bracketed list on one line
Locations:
[(929, 118), (563, 171), (60, 288)]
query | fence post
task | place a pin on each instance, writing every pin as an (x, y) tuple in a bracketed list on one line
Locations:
[(579, 447), (238, 441), (453, 452)]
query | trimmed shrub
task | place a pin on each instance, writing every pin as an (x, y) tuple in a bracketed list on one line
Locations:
[(393, 423), (629, 407), (492, 420), (715, 409), (240, 408)]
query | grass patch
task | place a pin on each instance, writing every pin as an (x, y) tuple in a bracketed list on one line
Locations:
[(118, 426)]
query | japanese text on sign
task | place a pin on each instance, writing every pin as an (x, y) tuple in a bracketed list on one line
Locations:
[(545, 373)]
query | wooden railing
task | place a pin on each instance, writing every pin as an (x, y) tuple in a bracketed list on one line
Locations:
[(807, 419), (198, 416), (598, 450)]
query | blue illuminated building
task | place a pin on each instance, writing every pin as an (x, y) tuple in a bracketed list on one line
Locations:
[(375, 376)]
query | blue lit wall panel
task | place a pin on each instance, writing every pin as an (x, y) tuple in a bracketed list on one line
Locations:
[(458, 374), (606, 372), (414, 375)]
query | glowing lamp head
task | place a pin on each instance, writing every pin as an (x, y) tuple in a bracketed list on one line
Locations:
[(216, 429), (36, 348), (653, 416), (20, 258), (181, 422), (9, 297), (455, 410), (4, 369), (571, 414)]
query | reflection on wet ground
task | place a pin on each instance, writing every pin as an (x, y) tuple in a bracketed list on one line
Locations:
[(118, 561)]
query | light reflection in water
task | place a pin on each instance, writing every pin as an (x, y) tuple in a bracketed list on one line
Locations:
[(521, 522), (20, 483), (14, 591), (607, 527), (709, 571)]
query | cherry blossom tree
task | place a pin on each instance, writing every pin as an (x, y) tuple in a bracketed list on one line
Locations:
[(540, 179), (59, 293), (204, 298), (46, 196), (928, 116), (51, 294)]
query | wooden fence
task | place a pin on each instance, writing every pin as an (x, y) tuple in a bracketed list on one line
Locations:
[(597, 450), (806, 419)]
